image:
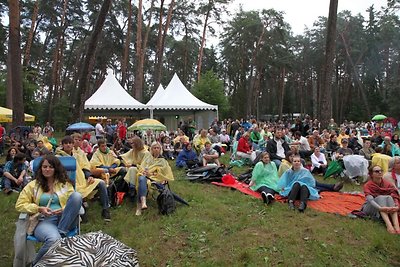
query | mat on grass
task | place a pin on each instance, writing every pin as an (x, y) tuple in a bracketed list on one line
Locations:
[(331, 202)]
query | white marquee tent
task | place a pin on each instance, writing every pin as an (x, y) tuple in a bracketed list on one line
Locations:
[(112, 96), (178, 100)]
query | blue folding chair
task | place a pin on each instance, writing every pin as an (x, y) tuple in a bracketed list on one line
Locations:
[(69, 164)]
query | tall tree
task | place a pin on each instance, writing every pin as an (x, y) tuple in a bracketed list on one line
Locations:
[(326, 92), (89, 59), (161, 44), (14, 65), (124, 64)]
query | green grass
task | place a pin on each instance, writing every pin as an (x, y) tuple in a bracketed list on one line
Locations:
[(223, 227)]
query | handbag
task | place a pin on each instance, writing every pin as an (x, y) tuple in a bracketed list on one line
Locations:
[(33, 220)]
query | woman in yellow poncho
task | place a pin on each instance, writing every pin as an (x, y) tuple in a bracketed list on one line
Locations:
[(157, 169), (134, 158)]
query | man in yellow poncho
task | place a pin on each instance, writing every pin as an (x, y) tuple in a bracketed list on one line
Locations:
[(104, 161), (154, 168), (85, 183)]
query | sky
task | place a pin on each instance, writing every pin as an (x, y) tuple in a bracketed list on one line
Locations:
[(299, 13)]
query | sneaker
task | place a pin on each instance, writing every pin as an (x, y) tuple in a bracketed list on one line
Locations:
[(106, 215), (338, 186), (7, 191), (270, 197), (302, 206), (291, 205), (265, 197)]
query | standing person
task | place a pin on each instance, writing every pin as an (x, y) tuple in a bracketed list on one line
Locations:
[(298, 183), (51, 185), (382, 200), (47, 128), (121, 130), (15, 173), (2, 135), (265, 178), (99, 129), (109, 132)]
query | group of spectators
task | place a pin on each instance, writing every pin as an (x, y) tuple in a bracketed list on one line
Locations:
[(278, 151)]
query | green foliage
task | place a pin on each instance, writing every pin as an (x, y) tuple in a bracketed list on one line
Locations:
[(62, 114), (211, 90)]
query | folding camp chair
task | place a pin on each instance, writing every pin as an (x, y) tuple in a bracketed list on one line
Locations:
[(69, 164)]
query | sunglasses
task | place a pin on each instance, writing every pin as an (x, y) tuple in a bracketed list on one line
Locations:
[(377, 171)]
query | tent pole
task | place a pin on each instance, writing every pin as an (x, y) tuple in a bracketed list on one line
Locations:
[(151, 112)]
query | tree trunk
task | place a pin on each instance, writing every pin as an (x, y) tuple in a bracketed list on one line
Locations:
[(326, 95), (281, 92), (138, 89), (125, 59), (89, 60), (157, 79), (162, 44), (139, 77), (27, 54), (203, 40), (15, 64)]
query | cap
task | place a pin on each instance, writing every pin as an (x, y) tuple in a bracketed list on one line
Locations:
[(345, 140)]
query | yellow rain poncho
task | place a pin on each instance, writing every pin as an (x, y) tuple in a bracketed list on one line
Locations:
[(133, 157), (104, 159), (158, 168), (86, 190)]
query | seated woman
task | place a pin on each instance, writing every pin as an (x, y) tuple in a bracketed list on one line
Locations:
[(154, 168), (318, 161), (332, 146), (187, 158), (53, 187), (367, 150), (132, 159), (265, 178), (382, 200), (168, 150), (209, 155), (393, 175), (286, 163), (244, 150), (298, 183)]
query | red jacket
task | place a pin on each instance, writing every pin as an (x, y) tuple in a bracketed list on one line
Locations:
[(243, 145), (122, 132)]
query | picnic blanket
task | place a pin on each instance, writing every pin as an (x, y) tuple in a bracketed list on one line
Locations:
[(331, 202)]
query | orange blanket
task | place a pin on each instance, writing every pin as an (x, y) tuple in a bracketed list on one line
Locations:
[(331, 202)]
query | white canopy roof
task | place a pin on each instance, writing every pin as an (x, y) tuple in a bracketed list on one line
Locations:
[(111, 95), (176, 96), (157, 95)]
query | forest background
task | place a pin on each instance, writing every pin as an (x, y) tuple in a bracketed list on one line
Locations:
[(54, 54)]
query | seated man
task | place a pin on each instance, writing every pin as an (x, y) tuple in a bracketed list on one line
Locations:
[(225, 139), (277, 147), (15, 174), (315, 140), (367, 150), (391, 149), (104, 162), (209, 155), (85, 182), (304, 146), (344, 150), (187, 158)]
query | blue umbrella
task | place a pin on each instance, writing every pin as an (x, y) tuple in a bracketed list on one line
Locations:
[(80, 126)]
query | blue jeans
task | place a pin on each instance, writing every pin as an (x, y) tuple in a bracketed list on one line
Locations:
[(142, 186), (8, 184), (277, 163), (324, 187), (50, 228), (103, 195)]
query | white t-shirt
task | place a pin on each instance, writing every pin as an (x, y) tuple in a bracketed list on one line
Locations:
[(304, 145), (280, 151), (99, 130)]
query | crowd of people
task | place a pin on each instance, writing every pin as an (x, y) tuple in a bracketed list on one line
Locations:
[(283, 155)]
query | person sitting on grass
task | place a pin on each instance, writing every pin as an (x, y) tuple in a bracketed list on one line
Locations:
[(209, 155), (244, 150), (382, 200), (344, 150), (200, 140), (318, 160), (298, 183), (265, 178), (277, 147), (152, 169), (104, 161), (187, 158), (51, 185), (14, 174), (168, 149), (86, 184), (367, 150), (393, 175)]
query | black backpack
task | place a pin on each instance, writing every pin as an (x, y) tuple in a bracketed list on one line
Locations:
[(114, 188), (166, 201)]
